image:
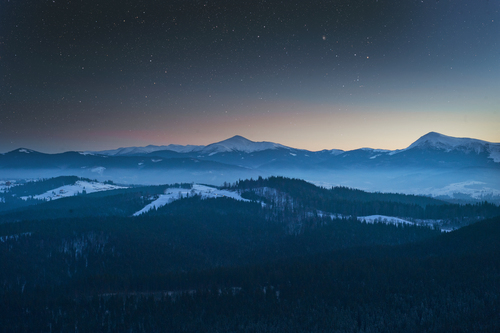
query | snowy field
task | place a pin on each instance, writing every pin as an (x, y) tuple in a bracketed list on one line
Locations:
[(3, 239), (383, 219), (397, 220), (6, 184), (173, 194), (71, 190), (367, 219)]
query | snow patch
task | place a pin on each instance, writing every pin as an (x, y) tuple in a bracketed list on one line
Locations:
[(173, 194), (6, 184), (99, 170), (383, 219), (375, 150), (495, 155), (78, 187), (16, 237), (336, 152)]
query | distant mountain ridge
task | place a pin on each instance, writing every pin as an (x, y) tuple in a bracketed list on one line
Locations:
[(439, 141), (237, 143), (237, 148)]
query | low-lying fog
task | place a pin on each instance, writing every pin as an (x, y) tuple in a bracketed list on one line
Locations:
[(474, 184)]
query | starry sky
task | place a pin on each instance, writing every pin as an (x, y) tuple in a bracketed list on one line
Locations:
[(344, 74)]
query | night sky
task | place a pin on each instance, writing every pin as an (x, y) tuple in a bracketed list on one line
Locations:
[(90, 75)]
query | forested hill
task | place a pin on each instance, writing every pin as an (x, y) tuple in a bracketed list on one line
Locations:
[(29, 188), (299, 188), (353, 202)]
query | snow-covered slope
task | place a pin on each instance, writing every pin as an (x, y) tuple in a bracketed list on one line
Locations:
[(6, 184), (24, 150), (78, 187), (172, 194)]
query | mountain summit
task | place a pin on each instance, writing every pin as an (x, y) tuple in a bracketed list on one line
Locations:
[(433, 140), (241, 144), (448, 143)]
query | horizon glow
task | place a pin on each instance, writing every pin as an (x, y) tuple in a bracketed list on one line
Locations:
[(331, 76)]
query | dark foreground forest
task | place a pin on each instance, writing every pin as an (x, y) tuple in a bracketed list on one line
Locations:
[(267, 265)]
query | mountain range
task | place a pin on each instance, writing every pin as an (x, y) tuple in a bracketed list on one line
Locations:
[(435, 164), (238, 143)]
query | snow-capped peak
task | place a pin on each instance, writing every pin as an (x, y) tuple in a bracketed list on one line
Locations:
[(23, 150), (439, 141), (239, 143), (448, 143)]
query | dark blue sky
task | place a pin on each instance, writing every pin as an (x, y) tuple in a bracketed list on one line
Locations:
[(80, 75)]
